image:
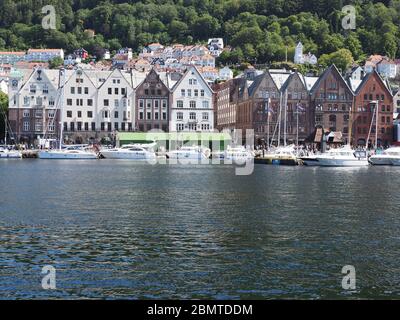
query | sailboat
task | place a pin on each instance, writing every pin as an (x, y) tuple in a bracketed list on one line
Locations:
[(68, 153), (5, 152)]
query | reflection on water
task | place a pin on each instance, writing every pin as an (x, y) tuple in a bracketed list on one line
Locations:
[(124, 230)]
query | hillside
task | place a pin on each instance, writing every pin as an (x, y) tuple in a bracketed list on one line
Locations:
[(258, 30)]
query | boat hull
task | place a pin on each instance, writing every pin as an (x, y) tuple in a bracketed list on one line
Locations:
[(127, 155), (11, 155), (59, 155), (342, 162), (395, 162), (380, 161)]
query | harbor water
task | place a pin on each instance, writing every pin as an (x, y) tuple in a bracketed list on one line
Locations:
[(123, 230)]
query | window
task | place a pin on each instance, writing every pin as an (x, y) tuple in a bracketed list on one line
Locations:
[(205, 104), (141, 104), (116, 114), (148, 116), (89, 102), (116, 126), (192, 116), (179, 116), (179, 104), (26, 100), (189, 92), (202, 93), (164, 116), (26, 126), (106, 102), (156, 116), (140, 115), (69, 102), (69, 114), (33, 89), (79, 102), (148, 104), (90, 114), (79, 114), (116, 90), (86, 90), (116, 103), (86, 126), (102, 126), (179, 127), (192, 104), (45, 89), (51, 101), (26, 113), (196, 93), (123, 91), (51, 113), (164, 104), (205, 115), (109, 90), (93, 126), (79, 90), (72, 90)]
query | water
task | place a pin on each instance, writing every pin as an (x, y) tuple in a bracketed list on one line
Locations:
[(123, 230)]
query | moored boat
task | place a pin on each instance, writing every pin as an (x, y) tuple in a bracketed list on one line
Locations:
[(386, 158), (342, 157), (129, 152)]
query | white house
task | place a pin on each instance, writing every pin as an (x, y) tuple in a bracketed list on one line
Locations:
[(225, 74), (116, 102), (216, 46), (192, 103), (300, 58), (32, 104)]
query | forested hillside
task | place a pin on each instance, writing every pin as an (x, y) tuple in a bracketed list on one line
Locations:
[(258, 30)]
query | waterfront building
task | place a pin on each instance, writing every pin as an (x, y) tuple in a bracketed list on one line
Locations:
[(386, 67), (152, 100), (33, 97), (373, 91), (331, 100), (192, 103)]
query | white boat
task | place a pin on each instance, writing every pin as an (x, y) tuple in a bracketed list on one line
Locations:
[(386, 158), (10, 154), (190, 153), (342, 157), (310, 161), (238, 154), (71, 153), (131, 152)]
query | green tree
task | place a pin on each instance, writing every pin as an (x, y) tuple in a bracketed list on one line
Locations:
[(341, 58), (3, 111), (56, 63)]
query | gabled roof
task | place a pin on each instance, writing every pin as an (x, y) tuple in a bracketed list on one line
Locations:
[(189, 69), (330, 69), (367, 77)]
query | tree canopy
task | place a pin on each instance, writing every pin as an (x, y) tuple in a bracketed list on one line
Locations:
[(261, 31)]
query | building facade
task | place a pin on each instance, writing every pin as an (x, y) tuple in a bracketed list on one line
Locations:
[(331, 102), (152, 100), (192, 103), (371, 93)]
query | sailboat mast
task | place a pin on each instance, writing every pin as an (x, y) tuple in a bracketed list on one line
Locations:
[(285, 120), (280, 119), (376, 124), (62, 79), (5, 129)]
